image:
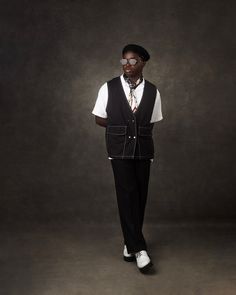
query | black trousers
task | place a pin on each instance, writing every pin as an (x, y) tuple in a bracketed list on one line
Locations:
[(131, 183)]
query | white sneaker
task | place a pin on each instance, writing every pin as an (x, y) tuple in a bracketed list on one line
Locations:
[(127, 256), (143, 261)]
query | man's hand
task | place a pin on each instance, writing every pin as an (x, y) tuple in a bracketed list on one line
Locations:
[(101, 121)]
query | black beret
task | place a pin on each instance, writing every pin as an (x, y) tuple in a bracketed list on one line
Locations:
[(142, 52)]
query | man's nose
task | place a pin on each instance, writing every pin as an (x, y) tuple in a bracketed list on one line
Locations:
[(128, 65)]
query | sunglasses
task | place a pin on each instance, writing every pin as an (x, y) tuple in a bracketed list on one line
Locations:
[(131, 61)]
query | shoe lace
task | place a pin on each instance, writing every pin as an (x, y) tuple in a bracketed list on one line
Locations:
[(138, 254)]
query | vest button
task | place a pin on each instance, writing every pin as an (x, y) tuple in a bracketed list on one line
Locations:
[(133, 121), (134, 137), (129, 136)]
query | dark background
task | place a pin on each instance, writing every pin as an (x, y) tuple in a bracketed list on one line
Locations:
[(54, 57)]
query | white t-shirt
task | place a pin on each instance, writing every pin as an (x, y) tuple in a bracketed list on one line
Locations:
[(102, 98)]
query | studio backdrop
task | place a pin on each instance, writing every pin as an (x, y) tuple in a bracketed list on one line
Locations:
[(55, 55)]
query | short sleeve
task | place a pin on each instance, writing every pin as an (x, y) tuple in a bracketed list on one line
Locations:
[(101, 102), (157, 112)]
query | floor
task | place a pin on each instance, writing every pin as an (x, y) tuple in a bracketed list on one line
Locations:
[(74, 259)]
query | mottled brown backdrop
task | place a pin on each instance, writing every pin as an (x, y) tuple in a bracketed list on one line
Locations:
[(54, 57)]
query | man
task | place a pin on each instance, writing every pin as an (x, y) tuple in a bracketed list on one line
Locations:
[(128, 106)]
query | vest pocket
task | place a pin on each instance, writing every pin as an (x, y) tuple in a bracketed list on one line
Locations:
[(145, 131), (146, 145), (116, 130), (115, 140)]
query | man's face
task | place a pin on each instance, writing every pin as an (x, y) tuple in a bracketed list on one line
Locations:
[(133, 70)]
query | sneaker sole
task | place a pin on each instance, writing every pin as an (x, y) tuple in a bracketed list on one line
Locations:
[(146, 268), (129, 259)]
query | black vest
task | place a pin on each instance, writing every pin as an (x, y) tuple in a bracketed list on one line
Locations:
[(128, 134)]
